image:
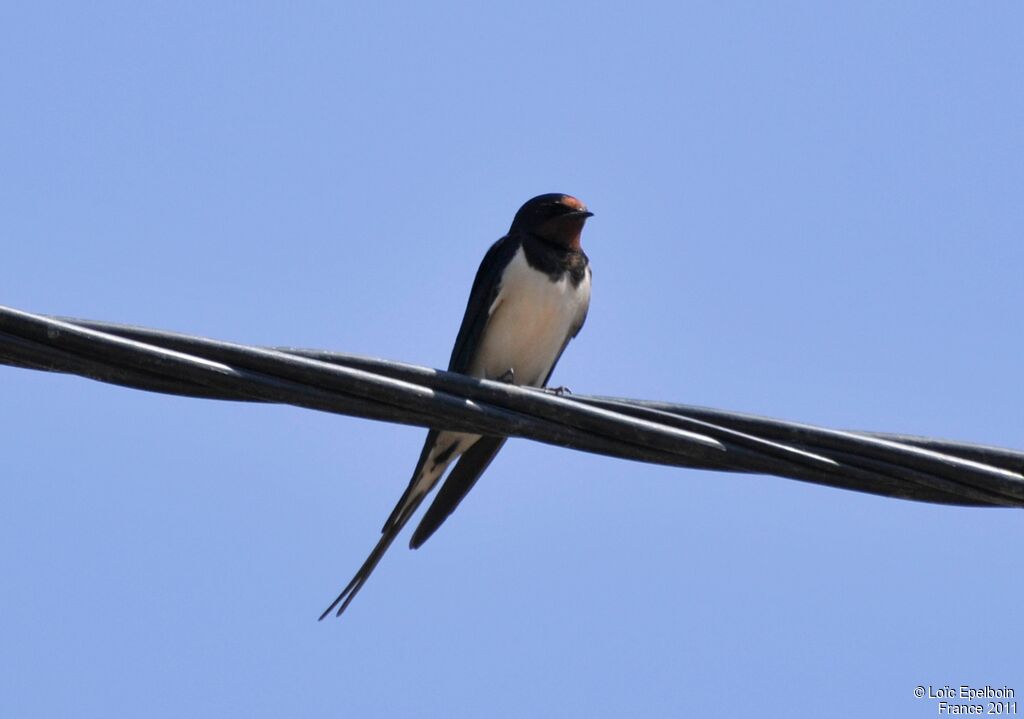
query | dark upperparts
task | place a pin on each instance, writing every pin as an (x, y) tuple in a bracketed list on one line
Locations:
[(553, 218)]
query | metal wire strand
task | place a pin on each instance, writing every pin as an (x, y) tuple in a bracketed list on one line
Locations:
[(918, 468)]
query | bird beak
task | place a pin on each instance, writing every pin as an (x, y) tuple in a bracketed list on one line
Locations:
[(583, 214)]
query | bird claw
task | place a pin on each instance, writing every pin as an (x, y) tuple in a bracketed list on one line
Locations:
[(559, 391), (508, 376)]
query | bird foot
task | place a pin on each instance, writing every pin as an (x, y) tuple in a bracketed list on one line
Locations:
[(558, 391), (508, 376)]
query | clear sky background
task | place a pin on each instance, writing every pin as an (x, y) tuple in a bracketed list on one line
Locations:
[(806, 211)]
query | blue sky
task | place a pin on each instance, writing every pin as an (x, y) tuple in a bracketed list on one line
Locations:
[(802, 211)]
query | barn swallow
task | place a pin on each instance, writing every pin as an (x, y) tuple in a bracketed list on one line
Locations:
[(529, 298)]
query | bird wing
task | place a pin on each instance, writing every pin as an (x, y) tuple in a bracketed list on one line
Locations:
[(486, 285), (485, 289), (569, 338)]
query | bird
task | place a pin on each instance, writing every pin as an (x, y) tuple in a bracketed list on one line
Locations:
[(529, 298)]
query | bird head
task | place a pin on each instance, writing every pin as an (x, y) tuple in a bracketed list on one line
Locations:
[(554, 218)]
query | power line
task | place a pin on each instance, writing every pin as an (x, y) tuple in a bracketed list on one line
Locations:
[(919, 468)]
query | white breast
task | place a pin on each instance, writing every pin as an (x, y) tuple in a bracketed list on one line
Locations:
[(529, 321)]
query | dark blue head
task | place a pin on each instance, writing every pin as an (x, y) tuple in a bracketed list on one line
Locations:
[(554, 218)]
